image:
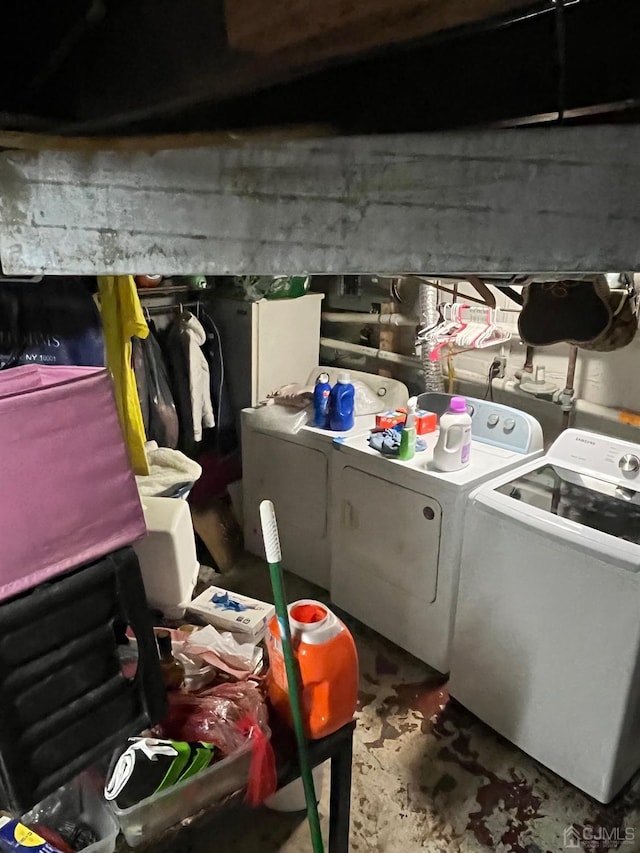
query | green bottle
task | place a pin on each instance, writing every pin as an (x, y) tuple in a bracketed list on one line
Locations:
[(408, 436)]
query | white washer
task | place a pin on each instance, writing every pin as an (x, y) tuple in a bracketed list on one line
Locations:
[(547, 634), (397, 527), (293, 471)]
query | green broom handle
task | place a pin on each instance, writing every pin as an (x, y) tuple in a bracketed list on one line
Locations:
[(272, 550)]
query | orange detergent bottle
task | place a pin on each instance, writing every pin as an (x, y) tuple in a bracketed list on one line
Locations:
[(328, 663)]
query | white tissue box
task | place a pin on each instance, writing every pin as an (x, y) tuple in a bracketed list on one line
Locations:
[(227, 612)]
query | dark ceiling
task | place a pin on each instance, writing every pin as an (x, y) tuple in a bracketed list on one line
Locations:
[(108, 67)]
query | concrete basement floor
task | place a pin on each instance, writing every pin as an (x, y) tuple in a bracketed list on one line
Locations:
[(427, 775)]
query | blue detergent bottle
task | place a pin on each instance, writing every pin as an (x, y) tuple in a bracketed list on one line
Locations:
[(321, 401), (342, 404)]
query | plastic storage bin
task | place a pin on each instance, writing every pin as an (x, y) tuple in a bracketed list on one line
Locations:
[(167, 555), (151, 817), (81, 801), (70, 495), (64, 702)]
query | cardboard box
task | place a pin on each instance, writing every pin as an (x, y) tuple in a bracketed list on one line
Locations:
[(230, 611), (388, 420), (426, 422)]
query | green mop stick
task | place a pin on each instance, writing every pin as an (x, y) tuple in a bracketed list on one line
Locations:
[(272, 549)]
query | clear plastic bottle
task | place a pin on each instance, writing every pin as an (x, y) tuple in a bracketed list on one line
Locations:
[(453, 450)]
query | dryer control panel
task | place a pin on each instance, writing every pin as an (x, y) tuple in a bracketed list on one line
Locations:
[(492, 423), (504, 426)]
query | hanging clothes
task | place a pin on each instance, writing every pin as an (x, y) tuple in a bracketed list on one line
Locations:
[(174, 349), (154, 390), (123, 319), (199, 378), (226, 438), (190, 379), (142, 384)]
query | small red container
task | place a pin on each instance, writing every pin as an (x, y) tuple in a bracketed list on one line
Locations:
[(390, 419), (426, 422)]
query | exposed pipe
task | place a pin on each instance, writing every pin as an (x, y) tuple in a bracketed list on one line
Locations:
[(598, 411), (429, 315), (394, 357), (566, 397), (527, 367), (369, 319), (510, 386)]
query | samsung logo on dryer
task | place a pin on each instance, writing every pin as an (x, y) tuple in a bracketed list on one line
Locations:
[(585, 440)]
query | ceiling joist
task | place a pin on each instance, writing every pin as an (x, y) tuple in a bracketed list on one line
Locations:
[(555, 199)]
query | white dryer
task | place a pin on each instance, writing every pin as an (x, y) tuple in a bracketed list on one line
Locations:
[(547, 635), (293, 471), (397, 527)]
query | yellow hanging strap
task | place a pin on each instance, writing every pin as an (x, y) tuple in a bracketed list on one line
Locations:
[(122, 319)]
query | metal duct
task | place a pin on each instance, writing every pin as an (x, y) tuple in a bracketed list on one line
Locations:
[(431, 370)]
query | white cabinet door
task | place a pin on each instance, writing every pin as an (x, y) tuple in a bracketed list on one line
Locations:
[(385, 555), (286, 342), (267, 344)]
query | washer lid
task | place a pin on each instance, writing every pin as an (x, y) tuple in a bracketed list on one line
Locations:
[(601, 505)]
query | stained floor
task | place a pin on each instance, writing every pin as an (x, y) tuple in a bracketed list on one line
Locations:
[(428, 776)]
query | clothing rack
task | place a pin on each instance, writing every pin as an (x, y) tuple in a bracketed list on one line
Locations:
[(165, 309), (170, 289)]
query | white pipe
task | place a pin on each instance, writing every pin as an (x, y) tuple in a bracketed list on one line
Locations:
[(369, 319), (598, 411), (501, 384), (371, 352)]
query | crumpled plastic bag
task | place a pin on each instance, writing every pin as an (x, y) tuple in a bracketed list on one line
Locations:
[(227, 716), (255, 287), (213, 715), (366, 401)]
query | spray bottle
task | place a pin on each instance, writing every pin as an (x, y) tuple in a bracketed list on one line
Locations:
[(408, 436)]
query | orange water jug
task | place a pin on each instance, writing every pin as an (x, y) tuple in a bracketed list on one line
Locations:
[(328, 663)]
